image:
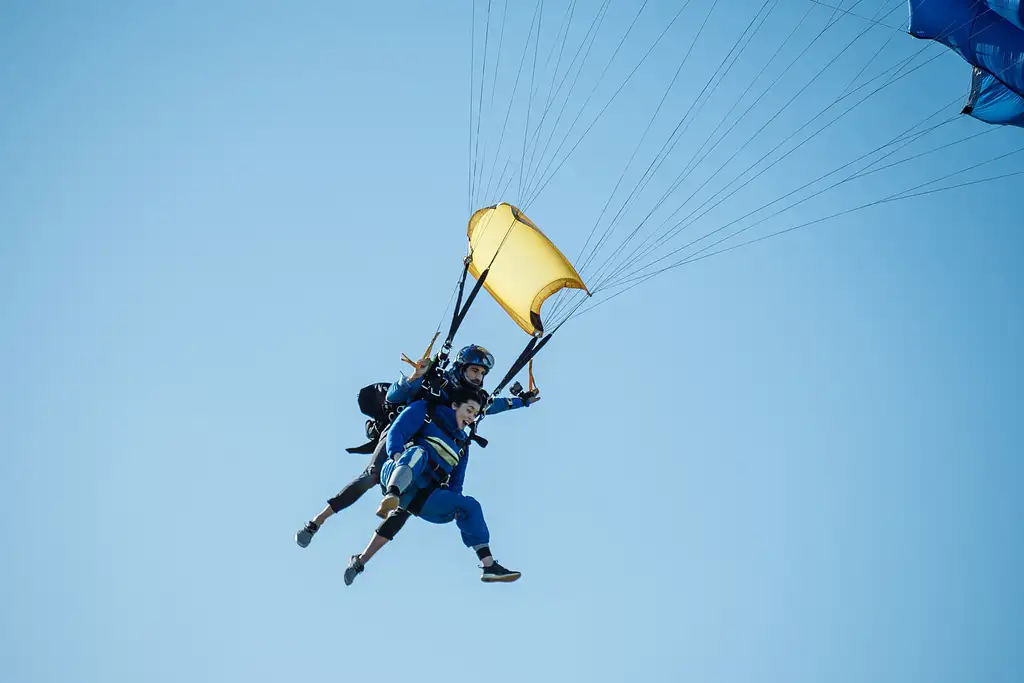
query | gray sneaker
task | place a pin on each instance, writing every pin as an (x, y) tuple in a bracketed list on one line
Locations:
[(355, 566), (306, 535)]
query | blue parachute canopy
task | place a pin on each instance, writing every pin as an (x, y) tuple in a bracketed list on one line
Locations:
[(989, 34), (1011, 10), (992, 102)]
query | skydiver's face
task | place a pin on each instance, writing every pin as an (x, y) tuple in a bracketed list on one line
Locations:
[(466, 413), (474, 374)]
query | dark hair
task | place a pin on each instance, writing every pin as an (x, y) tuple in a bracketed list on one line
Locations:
[(463, 394)]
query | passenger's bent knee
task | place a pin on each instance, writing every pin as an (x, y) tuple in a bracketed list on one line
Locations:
[(393, 524)]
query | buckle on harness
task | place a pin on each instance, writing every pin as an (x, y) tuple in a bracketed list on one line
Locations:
[(439, 473)]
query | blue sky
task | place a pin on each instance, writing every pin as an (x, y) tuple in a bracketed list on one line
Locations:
[(797, 461)]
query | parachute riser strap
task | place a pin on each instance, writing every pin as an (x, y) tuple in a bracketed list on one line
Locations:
[(460, 315), (456, 321), (531, 350)]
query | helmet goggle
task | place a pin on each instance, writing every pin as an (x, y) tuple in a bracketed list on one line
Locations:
[(475, 355)]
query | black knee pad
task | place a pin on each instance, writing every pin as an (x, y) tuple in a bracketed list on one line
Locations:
[(393, 524)]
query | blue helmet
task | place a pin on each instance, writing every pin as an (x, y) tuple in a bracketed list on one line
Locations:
[(470, 355)]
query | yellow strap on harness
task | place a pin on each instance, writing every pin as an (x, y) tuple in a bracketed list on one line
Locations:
[(443, 450), (426, 354)]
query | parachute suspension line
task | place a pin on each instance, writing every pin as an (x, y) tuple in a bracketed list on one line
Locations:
[(865, 172), (490, 107), (831, 22), (532, 173), (570, 12), (854, 14), (562, 301), (891, 142), (491, 177), (647, 129), (538, 15), (508, 112), (887, 200), (529, 100), (892, 198), (896, 196), (477, 163), (862, 172), (591, 35), (549, 176), (689, 169), (676, 183), (690, 218), (750, 107), (894, 32), (892, 79), (690, 165), (670, 144), (444, 314), (472, 75)]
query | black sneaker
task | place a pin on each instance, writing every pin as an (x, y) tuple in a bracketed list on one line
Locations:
[(306, 535), (496, 573), (355, 566)]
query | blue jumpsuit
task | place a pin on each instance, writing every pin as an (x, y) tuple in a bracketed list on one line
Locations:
[(429, 452), (399, 393), (403, 390)]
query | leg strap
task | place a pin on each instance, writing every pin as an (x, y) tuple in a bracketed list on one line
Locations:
[(420, 499)]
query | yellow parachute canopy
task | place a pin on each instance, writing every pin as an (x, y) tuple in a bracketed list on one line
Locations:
[(528, 269)]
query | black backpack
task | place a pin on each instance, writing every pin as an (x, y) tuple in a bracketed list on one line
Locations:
[(373, 404)]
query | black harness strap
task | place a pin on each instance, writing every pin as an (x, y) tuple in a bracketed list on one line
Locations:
[(420, 499), (531, 350), (366, 449)]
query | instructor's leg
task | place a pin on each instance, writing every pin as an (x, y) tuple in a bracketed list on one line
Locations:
[(352, 492)]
